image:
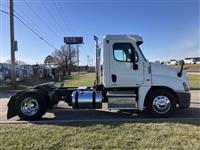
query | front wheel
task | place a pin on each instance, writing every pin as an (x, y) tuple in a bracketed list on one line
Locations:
[(161, 103), (31, 106)]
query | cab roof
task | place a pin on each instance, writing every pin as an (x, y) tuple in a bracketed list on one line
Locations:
[(138, 39)]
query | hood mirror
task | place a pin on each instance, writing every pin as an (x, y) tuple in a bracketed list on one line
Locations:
[(182, 63)]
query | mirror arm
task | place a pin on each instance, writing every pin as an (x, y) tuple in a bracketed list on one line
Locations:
[(181, 70)]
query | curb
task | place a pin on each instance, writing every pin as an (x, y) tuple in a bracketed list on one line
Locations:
[(194, 88), (145, 120)]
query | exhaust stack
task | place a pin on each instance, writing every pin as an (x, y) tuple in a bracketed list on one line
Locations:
[(98, 61)]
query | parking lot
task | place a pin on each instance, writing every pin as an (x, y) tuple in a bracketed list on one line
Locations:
[(63, 113)]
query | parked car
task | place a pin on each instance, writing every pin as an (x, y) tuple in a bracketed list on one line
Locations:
[(173, 62)]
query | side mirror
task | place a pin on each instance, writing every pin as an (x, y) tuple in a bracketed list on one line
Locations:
[(182, 63)]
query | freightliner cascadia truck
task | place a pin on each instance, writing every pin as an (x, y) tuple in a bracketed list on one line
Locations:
[(128, 82)]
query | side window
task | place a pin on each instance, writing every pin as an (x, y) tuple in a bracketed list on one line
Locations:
[(124, 52)]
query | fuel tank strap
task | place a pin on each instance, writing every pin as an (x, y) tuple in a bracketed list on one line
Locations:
[(76, 100), (94, 99)]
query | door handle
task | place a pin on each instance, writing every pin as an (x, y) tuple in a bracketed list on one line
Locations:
[(114, 78)]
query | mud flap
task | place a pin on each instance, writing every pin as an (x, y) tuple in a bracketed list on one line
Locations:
[(11, 107)]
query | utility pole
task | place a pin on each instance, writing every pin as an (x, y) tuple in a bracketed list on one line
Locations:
[(78, 58), (92, 62), (70, 60), (88, 60), (12, 45)]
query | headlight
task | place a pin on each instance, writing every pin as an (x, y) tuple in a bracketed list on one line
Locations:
[(185, 86)]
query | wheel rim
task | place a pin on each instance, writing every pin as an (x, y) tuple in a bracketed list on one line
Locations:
[(29, 106), (161, 104)]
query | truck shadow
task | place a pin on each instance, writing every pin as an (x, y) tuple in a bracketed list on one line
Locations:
[(63, 116)]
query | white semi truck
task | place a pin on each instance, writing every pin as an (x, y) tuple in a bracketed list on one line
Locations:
[(129, 82)]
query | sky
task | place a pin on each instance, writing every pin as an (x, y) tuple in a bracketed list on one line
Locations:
[(170, 28)]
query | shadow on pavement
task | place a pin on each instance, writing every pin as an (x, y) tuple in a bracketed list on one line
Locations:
[(7, 94), (68, 116), (64, 115)]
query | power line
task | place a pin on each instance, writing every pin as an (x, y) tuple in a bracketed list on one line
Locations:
[(4, 12), (45, 40), (54, 18), (60, 15), (25, 20), (63, 18), (18, 16), (32, 30), (28, 22), (36, 14), (66, 17)]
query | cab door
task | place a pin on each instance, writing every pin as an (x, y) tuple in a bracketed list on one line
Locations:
[(123, 72)]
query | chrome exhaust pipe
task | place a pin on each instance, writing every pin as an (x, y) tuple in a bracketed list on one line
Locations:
[(98, 61)]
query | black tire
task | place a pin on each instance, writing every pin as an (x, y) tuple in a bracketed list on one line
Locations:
[(169, 101), (38, 99)]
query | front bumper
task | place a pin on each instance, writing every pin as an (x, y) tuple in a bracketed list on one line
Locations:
[(184, 99)]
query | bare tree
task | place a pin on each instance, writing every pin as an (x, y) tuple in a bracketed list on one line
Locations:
[(49, 60), (62, 57)]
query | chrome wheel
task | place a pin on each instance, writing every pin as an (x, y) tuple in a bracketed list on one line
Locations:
[(161, 104), (29, 106)]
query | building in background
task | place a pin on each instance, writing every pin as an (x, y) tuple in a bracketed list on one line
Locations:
[(196, 60), (189, 60)]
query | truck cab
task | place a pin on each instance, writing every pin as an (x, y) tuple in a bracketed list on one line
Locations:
[(126, 68), (129, 82)]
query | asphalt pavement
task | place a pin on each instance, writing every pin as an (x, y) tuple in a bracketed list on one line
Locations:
[(64, 114)]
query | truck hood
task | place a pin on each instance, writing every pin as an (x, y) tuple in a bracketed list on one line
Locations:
[(164, 70), (163, 75)]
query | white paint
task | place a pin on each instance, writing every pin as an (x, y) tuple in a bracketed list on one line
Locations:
[(142, 94), (126, 76), (147, 75)]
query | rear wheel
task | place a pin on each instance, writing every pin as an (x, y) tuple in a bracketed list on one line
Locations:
[(31, 105), (161, 103)]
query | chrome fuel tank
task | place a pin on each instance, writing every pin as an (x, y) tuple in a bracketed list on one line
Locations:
[(86, 99)]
